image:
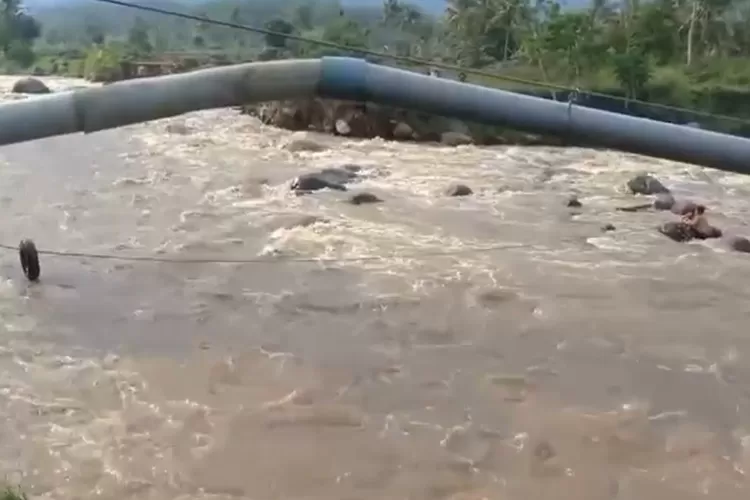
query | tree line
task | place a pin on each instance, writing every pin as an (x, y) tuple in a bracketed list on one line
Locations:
[(628, 44)]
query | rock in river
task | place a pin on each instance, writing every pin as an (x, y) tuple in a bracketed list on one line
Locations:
[(646, 184), (682, 232), (573, 202), (664, 201), (738, 243), (364, 198), (458, 190), (30, 86), (332, 178)]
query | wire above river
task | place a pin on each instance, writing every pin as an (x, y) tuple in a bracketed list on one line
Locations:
[(265, 260)]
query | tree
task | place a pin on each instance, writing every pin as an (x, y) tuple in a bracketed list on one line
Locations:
[(633, 72), (21, 53), (280, 27), (16, 25), (347, 33), (303, 17), (95, 34), (138, 37)]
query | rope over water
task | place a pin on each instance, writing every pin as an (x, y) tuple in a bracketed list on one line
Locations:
[(266, 260)]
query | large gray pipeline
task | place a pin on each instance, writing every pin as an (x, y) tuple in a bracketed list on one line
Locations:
[(145, 99), (127, 102)]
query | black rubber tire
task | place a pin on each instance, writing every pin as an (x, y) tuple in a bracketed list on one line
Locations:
[(29, 260)]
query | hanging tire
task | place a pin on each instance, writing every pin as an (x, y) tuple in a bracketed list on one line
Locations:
[(29, 260)]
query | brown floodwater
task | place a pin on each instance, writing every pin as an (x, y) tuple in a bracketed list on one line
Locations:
[(495, 346)]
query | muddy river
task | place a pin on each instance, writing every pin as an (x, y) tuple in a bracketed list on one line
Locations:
[(491, 346)]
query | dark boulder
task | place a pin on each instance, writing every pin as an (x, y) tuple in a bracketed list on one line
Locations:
[(682, 231), (30, 86), (334, 178), (738, 243), (573, 202), (364, 198), (458, 190), (646, 184), (677, 231), (713, 232)]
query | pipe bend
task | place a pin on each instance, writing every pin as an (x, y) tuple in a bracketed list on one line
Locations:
[(344, 78)]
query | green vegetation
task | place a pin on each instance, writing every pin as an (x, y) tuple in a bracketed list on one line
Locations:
[(688, 53), (9, 493)]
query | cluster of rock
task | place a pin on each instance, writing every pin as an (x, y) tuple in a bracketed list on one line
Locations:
[(367, 121), (678, 230), (338, 178)]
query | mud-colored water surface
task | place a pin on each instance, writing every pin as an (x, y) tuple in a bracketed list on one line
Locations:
[(492, 346)]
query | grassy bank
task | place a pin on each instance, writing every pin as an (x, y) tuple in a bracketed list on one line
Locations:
[(10, 493)]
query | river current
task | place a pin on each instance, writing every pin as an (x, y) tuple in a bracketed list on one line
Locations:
[(493, 346)]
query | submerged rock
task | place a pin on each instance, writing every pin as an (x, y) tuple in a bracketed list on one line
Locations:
[(178, 129), (646, 184), (455, 139), (314, 182), (332, 178), (738, 243), (458, 190), (364, 198), (304, 144), (664, 201), (573, 202)]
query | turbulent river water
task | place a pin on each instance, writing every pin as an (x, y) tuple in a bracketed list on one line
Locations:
[(492, 346)]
